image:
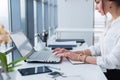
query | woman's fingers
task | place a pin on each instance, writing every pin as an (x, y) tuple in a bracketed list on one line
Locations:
[(59, 50), (56, 49), (66, 53), (62, 54), (72, 56)]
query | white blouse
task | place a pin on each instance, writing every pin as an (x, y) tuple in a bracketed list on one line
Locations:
[(107, 51)]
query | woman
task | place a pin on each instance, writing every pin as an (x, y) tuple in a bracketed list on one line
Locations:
[(106, 53)]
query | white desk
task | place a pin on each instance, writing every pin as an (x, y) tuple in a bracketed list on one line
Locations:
[(74, 72)]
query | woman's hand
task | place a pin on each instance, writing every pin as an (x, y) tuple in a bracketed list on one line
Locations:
[(68, 54), (74, 56), (60, 50)]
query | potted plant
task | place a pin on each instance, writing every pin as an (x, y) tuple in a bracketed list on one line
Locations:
[(6, 67), (9, 67)]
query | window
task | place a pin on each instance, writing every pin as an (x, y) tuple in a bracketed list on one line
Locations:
[(23, 15), (4, 19), (46, 19), (52, 16)]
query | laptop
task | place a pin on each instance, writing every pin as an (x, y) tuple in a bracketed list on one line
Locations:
[(26, 50)]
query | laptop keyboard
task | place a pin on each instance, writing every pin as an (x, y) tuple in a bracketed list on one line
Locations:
[(45, 56)]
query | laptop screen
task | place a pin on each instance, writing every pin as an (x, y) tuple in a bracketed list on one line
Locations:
[(22, 43)]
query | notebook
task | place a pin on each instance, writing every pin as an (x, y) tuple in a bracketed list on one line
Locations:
[(26, 50)]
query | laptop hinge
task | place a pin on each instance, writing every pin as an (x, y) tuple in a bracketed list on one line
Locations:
[(30, 53)]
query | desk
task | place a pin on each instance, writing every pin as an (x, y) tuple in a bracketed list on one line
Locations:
[(81, 71), (74, 72)]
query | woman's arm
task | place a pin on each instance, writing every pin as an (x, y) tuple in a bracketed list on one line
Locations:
[(88, 59), (83, 52)]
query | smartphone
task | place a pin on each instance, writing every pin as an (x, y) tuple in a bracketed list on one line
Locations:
[(34, 70)]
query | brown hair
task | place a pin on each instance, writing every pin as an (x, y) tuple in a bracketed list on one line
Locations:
[(117, 2)]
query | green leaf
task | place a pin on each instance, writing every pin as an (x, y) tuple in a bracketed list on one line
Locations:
[(11, 68), (16, 61), (1, 70), (3, 60)]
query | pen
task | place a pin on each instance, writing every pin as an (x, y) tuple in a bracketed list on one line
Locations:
[(54, 68)]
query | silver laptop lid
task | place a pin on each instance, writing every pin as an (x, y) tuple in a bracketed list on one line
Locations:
[(22, 43)]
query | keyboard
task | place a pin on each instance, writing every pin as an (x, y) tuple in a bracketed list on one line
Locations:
[(45, 56)]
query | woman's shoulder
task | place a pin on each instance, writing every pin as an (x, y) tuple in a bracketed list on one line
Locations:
[(116, 22)]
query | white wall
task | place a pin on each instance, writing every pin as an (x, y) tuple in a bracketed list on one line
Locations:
[(76, 16), (75, 13)]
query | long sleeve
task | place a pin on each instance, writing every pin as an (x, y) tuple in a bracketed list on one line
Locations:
[(95, 50), (108, 51), (112, 60)]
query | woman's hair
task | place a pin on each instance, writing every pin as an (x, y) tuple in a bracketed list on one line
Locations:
[(103, 6), (117, 2)]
